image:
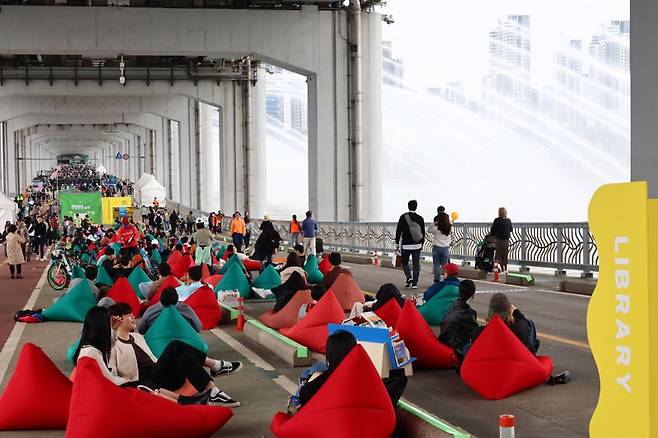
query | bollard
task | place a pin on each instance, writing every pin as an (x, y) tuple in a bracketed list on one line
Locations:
[(496, 271), (239, 325), (506, 424)]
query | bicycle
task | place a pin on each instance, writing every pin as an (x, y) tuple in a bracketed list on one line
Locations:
[(60, 271)]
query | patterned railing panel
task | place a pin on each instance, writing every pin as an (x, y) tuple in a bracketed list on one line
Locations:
[(554, 245)]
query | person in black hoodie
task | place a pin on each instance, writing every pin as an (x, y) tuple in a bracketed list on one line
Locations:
[(460, 322), (40, 234), (409, 237), (267, 243)]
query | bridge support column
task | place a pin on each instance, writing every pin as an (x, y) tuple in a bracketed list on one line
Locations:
[(258, 145), (209, 158)]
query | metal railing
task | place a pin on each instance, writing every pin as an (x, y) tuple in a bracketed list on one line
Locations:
[(559, 245)]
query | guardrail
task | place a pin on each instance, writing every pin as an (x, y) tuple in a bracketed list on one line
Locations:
[(561, 246)]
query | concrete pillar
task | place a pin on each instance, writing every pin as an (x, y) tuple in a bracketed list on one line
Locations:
[(232, 171), (259, 145), (175, 165), (644, 93), (210, 170)]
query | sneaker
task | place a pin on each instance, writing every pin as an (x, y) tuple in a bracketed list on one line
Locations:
[(202, 398), (226, 368), (407, 285), (223, 399), (414, 285)]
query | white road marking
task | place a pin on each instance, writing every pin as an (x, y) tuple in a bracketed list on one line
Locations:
[(17, 332), (283, 381)]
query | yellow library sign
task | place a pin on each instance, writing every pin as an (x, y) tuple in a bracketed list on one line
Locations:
[(620, 325)]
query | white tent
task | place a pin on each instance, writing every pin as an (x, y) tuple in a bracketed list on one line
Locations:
[(141, 181), (7, 210), (152, 189)]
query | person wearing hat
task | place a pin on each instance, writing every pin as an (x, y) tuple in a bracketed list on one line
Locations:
[(451, 270)]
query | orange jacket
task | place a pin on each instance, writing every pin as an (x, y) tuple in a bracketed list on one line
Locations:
[(238, 226)]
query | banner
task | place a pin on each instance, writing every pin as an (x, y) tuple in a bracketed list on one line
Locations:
[(621, 326), (81, 203), (112, 202)]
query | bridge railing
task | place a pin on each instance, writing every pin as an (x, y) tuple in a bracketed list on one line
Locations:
[(560, 246)]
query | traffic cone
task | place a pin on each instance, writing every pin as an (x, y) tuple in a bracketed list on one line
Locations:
[(376, 260), (239, 326), (506, 425), (496, 272)]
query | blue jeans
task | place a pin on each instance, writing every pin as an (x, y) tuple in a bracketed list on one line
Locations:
[(440, 256)]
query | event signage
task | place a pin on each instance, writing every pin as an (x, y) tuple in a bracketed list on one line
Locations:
[(621, 327), (82, 203), (121, 156)]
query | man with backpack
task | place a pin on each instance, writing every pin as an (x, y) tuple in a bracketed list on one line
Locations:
[(409, 238)]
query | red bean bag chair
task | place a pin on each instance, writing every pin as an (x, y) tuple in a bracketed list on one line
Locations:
[(325, 266), (123, 292), (312, 330), (289, 315), (182, 266), (95, 397), (421, 340), (498, 364), (170, 281), (205, 271), (352, 403), (204, 303), (173, 258), (213, 280), (347, 292), (390, 312), (37, 395), (251, 265)]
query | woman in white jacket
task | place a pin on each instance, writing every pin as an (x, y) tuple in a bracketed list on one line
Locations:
[(440, 231)]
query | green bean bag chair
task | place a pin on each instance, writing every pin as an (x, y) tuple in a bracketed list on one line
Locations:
[(136, 277), (71, 351), (312, 269), (155, 255), (234, 279), (268, 279), (73, 305), (102, 277), (171, 325), (222, 250), (435, 309), (117, 248), (78, 272), (234, 259)]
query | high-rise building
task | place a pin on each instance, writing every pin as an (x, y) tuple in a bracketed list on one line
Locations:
[(393, 68), (611, 59), (570, 78), (509, 60), (286, 98)]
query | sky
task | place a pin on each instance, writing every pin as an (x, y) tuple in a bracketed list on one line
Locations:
[(446, 40)]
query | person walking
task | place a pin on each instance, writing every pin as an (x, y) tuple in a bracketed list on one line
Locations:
[(40, 236), (190, 222), (15, 257), (309, 230), (293, 230), (409, 237), (501, 229), (238, 229), (247, 229), (440, 232)]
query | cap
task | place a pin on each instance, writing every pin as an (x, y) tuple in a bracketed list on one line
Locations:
[(451, 269), (506, 420), (155, 242)]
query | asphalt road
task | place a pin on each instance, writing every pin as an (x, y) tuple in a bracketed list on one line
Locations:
[(262, 386)]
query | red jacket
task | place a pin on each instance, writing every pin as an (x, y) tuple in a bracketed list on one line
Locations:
[(128, 236)]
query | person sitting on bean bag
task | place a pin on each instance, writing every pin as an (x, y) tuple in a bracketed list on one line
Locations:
[(460, 322), (132, 359), (335, 259), (169, 297), (293, 264), (451, 270), (284, 293), (385, 293), (523, 328)]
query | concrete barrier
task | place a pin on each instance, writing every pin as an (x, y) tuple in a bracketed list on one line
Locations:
[(293, 353), (471, 273), (358, 259), (519, 279), (576, 286), (418, 423)]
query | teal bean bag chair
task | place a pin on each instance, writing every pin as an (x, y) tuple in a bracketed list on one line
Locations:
[(435, 309), (73, 305), (234, 279), (312, 269), (234, 259), (78, 272), (156, 256), (102, 277), (136, 277), (268, 279), (171, 325), (117, 248), (71, 351)]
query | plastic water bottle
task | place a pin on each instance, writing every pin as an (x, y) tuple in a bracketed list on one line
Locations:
[(506, 424)]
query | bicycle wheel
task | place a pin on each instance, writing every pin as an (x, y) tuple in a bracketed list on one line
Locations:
[(57, 276)]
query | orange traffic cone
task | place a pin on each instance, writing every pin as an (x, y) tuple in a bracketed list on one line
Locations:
[(239, 326), (496, 272)]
